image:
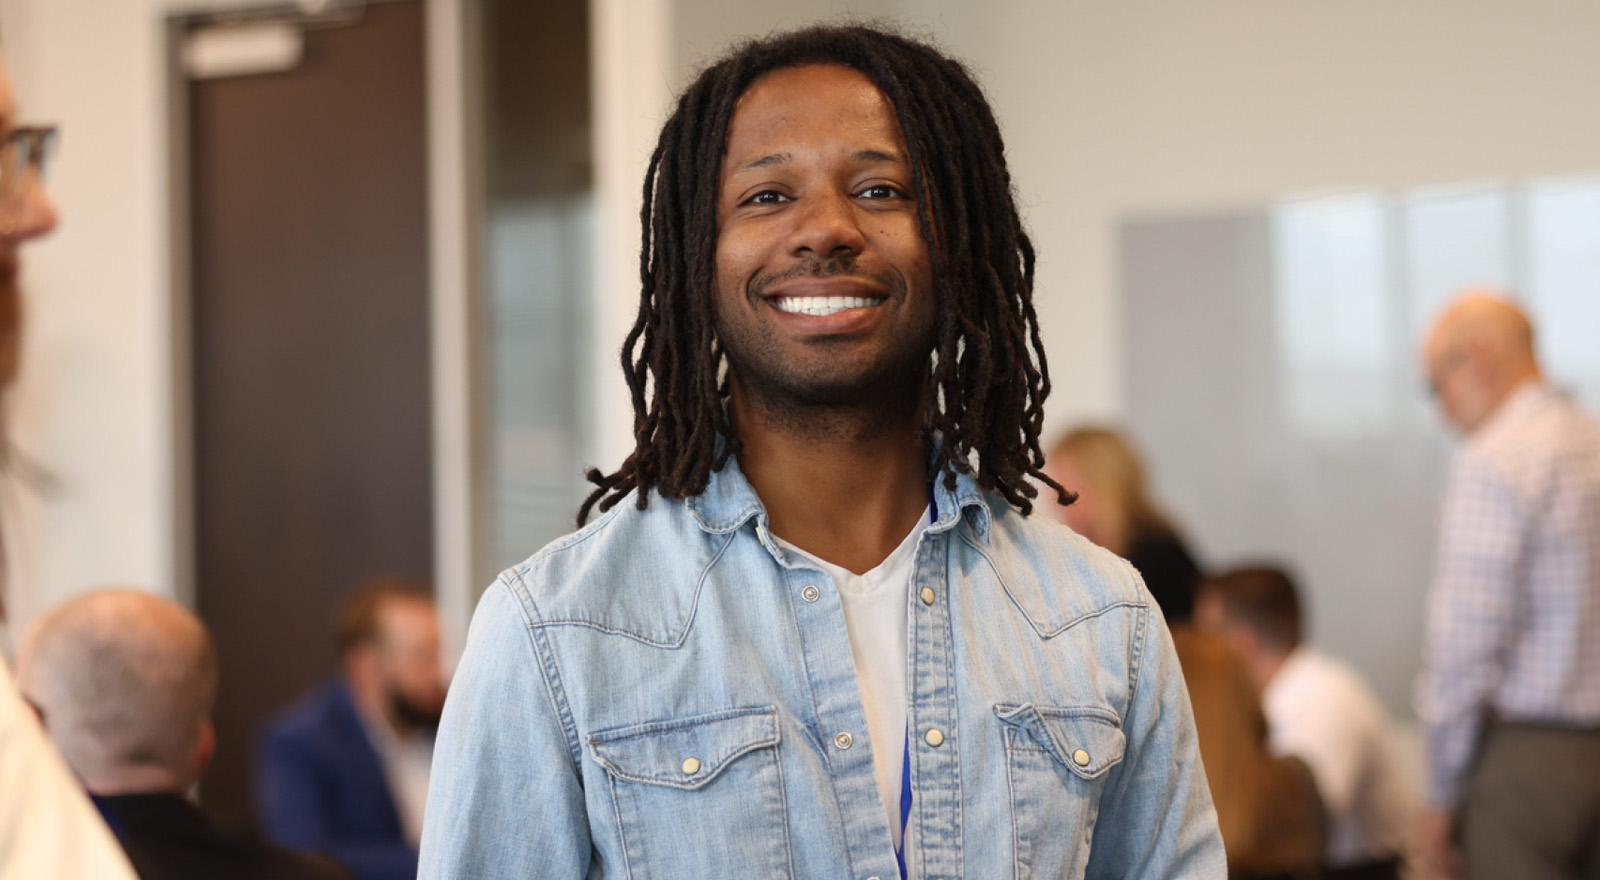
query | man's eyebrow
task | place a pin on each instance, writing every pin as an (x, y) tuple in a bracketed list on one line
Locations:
[(878, 156), (766, 161)]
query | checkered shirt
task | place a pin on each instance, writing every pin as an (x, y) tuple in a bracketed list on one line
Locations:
[(1513, 625)]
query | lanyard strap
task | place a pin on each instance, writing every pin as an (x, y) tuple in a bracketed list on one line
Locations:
[(905, 804)]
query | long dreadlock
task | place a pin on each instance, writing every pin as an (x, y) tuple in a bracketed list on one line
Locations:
[(987, 375)]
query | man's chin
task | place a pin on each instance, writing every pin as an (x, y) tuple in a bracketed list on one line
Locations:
[(416, 714)]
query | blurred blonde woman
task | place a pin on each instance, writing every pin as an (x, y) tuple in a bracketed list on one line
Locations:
[(1114, 510)]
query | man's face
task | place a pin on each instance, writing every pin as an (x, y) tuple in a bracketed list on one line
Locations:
[(1209, 615), (407, 653), (25, 213), (1456, 379), (823, 291)]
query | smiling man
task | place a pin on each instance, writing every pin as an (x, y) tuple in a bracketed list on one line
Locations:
[(815, 631)]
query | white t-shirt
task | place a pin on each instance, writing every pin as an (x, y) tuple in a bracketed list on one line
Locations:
[(875, 615), (48, 828), (1320, 710), (406, 764)]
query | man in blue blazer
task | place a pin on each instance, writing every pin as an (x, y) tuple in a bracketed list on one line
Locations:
[(345, 769)]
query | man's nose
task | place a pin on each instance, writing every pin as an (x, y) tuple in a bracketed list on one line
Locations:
[(826, 225), (32, 215)]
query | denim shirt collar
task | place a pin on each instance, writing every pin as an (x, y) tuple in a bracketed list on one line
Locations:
[(729, 501)]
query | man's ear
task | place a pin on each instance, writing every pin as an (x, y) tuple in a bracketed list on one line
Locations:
[(208, 747), (360, 656), (1243, 640), (1482, 360)]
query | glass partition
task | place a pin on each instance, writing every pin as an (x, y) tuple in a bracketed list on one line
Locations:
[(1274, 383)]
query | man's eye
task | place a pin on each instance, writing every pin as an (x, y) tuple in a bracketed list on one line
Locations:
[(767, 197), (880, 191)]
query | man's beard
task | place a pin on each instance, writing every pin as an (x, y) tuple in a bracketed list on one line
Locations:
[(10, 319), (415, 715), (793, 393)]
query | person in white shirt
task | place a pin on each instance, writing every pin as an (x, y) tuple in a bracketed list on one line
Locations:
[(1319, 710)]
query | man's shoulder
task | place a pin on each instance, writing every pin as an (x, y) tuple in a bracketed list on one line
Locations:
[(1313, 682), (1544, 438), (321, 712), (165, 833), (628, 569), (1535, 424), (1054, 573)]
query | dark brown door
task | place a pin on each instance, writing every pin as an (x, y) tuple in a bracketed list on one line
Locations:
[(310, 359)]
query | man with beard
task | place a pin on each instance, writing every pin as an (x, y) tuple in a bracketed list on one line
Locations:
[(345, 770), (814, 631), (47, 826)]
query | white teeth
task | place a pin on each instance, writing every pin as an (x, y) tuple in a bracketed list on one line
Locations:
[(823, 305)]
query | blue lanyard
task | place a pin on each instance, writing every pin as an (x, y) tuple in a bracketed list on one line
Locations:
[(905, 804), (905, 754)]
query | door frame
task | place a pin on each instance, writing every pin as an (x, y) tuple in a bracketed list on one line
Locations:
[(455, 219)]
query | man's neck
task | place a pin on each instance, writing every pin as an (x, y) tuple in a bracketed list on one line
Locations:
[(1514, 385), (849, 494), (1266, 665), (137, 779)]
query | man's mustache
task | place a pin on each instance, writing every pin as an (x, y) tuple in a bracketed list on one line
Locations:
[(823, 267)]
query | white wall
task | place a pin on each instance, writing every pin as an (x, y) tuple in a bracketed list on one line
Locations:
[(93, 405), (96, 405), (1113, 110)]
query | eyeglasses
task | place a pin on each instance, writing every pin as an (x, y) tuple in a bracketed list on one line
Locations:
[(25, 148)]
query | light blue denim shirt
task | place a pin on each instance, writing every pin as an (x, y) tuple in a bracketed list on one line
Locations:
[(667, 694)]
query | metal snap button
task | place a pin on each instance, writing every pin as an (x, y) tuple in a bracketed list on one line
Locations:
[(810, 593), (691, 766), (927, 595), (844, 740), (934, 737), (1081, 758)]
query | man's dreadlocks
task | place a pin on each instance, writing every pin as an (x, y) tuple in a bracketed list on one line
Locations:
[(987, 377)]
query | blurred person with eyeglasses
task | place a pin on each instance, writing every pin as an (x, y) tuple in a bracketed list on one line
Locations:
[(1509, 695), (47, 826)]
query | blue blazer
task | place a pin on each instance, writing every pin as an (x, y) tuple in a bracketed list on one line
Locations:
[(320, 786)]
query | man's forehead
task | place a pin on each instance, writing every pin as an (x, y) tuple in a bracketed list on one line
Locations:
[(788, 99)]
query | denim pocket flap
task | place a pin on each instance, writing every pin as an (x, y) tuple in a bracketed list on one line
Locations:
[(1086, 740), (684, 753)]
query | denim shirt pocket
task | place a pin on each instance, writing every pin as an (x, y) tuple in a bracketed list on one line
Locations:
[(699, 795), (1056, 760)]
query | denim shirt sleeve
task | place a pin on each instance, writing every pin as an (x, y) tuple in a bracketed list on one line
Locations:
[(1158, 819), (528, 815)]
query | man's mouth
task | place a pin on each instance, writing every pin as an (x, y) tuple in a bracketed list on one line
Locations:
[(821, 306)]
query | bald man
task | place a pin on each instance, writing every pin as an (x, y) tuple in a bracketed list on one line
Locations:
[(1509, 695), (123, 683)]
